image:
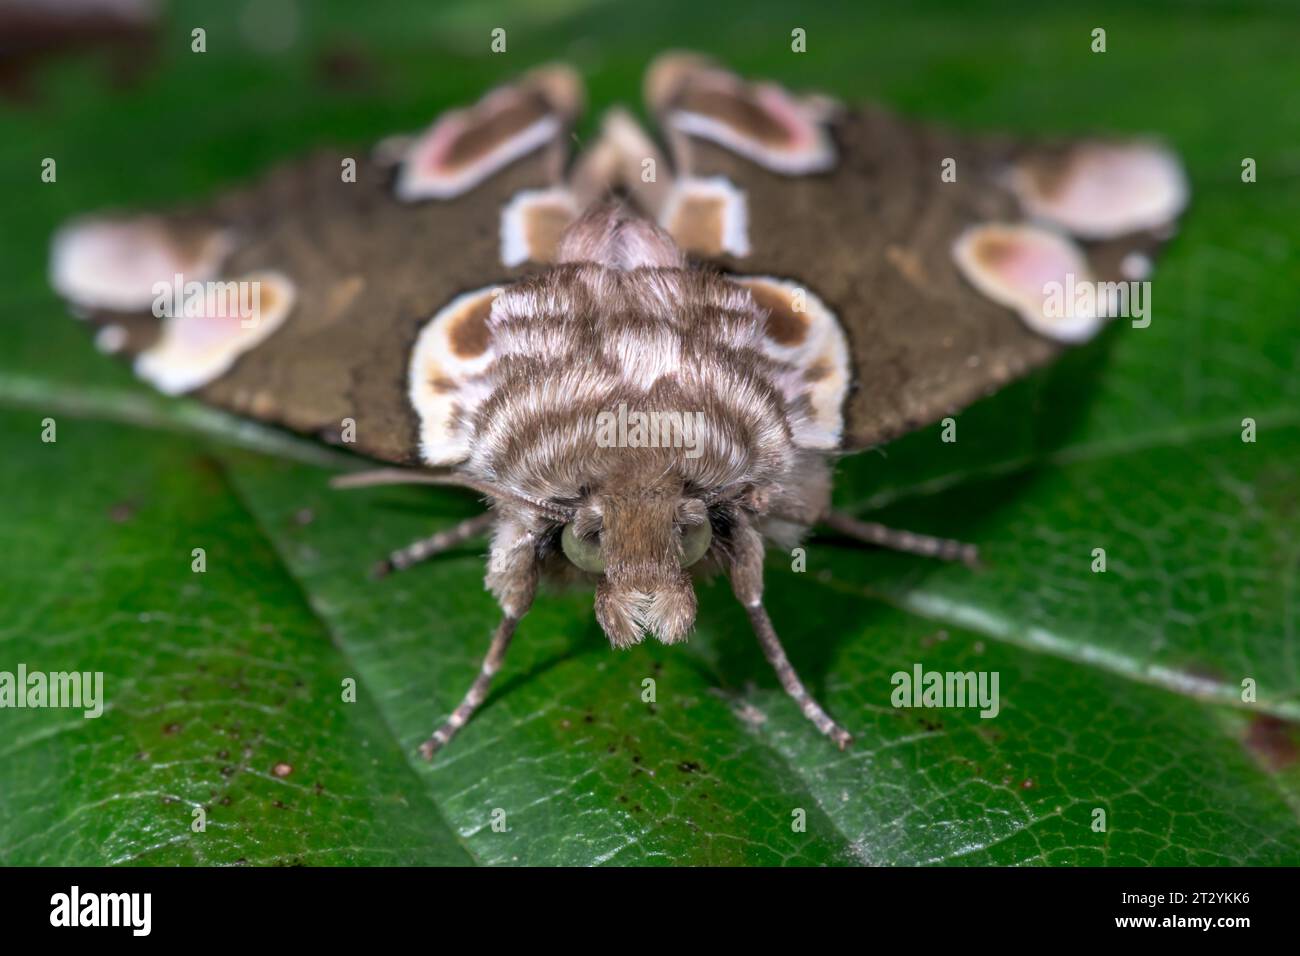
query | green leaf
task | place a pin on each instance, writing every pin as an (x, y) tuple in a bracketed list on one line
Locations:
[(1120, 691)]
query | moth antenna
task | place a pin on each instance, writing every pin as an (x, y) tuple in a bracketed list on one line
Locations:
[(400, 476), (477, 691), (896, 539), (394, 476), (435, 544)]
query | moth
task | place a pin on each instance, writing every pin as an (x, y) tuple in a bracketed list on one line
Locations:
[(646, 358)]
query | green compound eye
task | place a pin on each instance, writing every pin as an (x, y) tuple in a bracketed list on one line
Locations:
[(583, 552), (695, 542)]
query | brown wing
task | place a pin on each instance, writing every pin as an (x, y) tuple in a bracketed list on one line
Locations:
[(360, 267), (857, 206)]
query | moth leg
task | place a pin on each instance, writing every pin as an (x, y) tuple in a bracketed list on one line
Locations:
[(434, 544), (747, 584), (945, 549), (477, 690), (512, 577), (785, 673)]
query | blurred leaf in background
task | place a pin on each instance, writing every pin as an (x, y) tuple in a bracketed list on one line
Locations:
[(1121, 692)]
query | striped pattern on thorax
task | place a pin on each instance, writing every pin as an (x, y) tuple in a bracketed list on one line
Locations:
[(583, 339)]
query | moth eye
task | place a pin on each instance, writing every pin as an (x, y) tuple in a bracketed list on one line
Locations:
[(695, 542), (583, 552)]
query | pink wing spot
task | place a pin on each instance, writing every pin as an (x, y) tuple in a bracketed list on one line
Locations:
[(784, 110), (1103, 190), (760, 121), (464, 147), (116, 264), (1032, 271), (437, 146), (217, 322), (221, 311)]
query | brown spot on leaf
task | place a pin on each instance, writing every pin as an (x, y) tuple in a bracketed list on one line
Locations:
[(34, 34), (345, 68), (1272, 741)]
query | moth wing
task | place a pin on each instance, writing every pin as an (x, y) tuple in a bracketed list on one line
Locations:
[(930, 249), (372, 275)]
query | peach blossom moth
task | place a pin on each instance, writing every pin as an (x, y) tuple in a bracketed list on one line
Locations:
[(786, 279)]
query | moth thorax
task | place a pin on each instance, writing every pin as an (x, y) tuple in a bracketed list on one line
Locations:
[(614, 236)]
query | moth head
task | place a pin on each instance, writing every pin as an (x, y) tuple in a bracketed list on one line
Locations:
[(641, 545)]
